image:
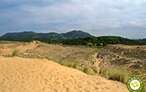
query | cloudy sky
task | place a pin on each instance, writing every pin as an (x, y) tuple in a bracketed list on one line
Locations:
[(99, 17)]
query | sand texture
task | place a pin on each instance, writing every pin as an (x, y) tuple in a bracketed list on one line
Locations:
[(41, 75)]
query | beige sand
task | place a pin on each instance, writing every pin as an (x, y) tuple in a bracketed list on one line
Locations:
[(41, 75)]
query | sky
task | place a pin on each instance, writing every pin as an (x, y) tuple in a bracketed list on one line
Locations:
[(125, 18)]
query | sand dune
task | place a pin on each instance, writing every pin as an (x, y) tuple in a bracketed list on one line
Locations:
[(40, 75)]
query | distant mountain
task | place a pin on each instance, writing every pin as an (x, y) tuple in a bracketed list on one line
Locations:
[(28, 36), (75, 37), (18, 36)]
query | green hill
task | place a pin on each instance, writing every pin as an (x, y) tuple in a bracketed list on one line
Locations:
[(46, 37), (75, 37)]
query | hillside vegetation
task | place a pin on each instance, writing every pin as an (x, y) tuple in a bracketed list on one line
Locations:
[(103, 41), (79, 57), (119, 62)]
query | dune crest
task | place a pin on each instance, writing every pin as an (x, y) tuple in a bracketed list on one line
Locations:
[(41, 75)]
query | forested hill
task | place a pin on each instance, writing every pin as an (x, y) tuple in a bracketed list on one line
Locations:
[(75, 37), (52, 36), (104, 40)]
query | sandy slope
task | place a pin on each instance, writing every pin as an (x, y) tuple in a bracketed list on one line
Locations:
[(41, 75)]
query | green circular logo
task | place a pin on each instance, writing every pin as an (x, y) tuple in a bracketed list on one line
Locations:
[(135, 84)]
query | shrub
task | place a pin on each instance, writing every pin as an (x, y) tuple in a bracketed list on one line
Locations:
[(116, 74), (89, 71), (14, 53)]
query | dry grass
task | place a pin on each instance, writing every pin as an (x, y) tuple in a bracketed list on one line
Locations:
[(121, 61), (78, 57), (115, 73)]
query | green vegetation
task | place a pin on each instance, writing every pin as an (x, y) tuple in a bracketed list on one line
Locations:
[(44, 37), (102, 41)]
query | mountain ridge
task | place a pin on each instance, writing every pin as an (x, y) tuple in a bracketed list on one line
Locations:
[(75, 34), (75, 37)]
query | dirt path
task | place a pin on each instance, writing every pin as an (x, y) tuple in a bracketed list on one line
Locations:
[(41, 75)]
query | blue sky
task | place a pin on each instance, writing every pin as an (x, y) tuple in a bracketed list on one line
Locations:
[(125, 18)]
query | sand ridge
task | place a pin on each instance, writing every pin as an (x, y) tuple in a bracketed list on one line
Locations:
[(41, 75)]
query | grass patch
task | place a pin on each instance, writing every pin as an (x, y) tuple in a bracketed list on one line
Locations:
[(115, 73), (14, 53), (78, 65), (89, 71)]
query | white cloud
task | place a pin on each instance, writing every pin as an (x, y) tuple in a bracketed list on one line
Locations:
[(64, 15)]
